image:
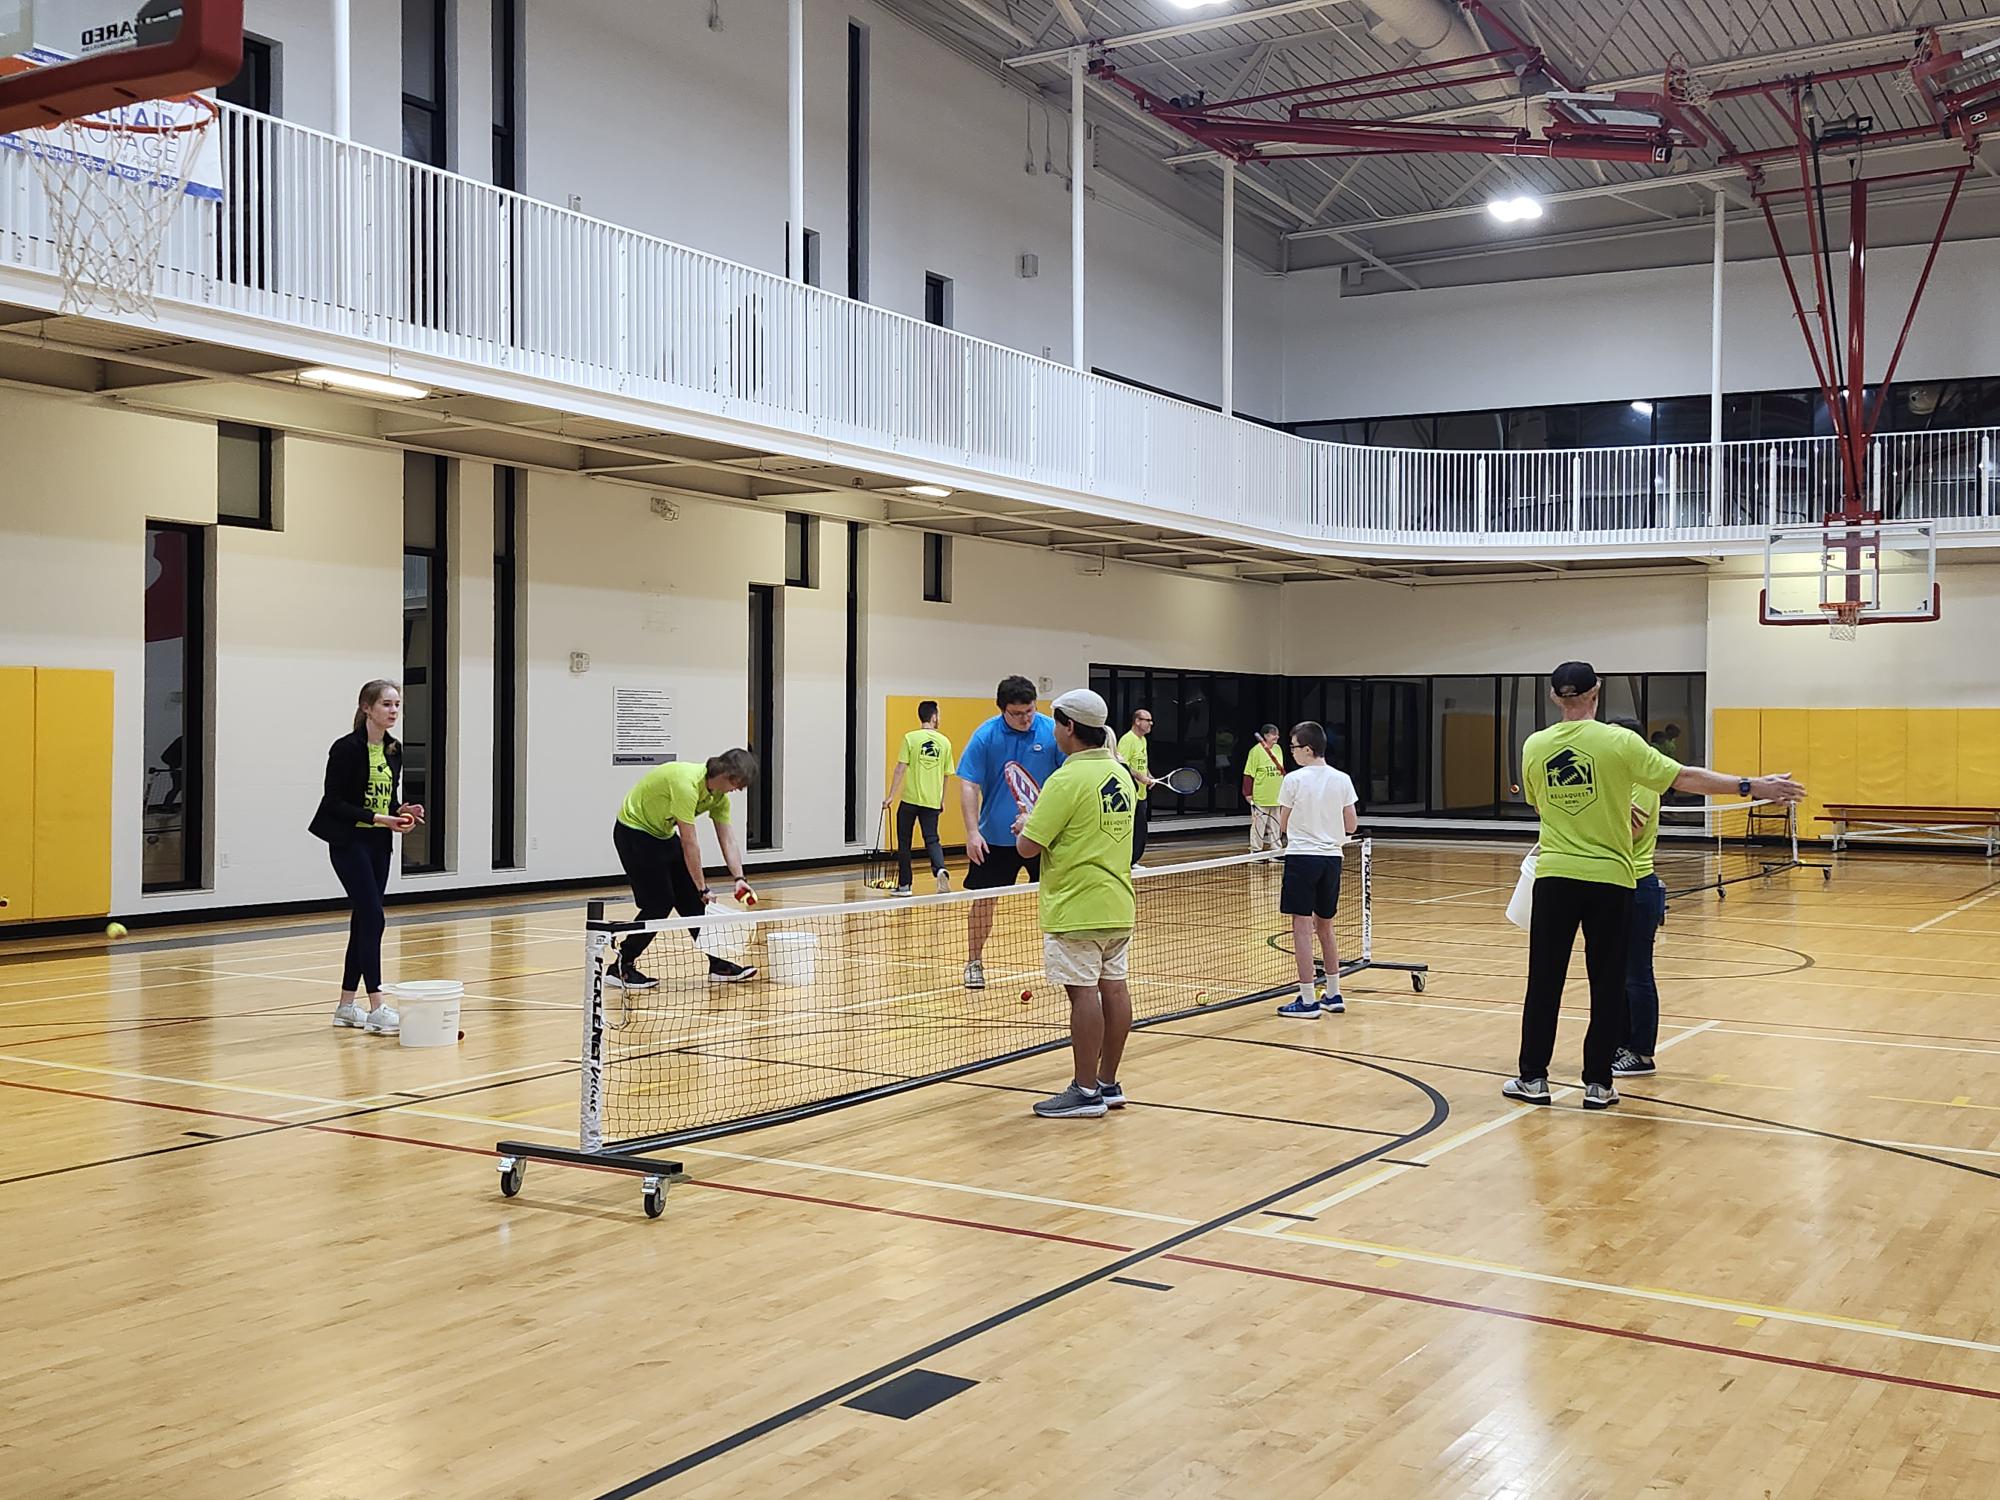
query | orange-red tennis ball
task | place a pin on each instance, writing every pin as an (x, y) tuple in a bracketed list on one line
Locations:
[(1026, 996)]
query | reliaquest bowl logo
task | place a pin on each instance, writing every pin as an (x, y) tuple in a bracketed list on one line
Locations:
[(1572, 781)]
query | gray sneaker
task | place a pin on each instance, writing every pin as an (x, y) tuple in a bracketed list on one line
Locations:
[(975, 975), (383, 1021), (1599, 1096), (944, 882), (903, 890), (1074, 1103), (1527, 1090)]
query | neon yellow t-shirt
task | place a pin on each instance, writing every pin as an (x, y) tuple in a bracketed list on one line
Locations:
[(1132, 750), (1648, 801), (1582, 777), (1083, 822), (381, 786), (670, 795), (928, 755), (1266, 770)]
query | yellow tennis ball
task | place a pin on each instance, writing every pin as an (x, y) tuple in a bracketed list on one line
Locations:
[(114, 930)]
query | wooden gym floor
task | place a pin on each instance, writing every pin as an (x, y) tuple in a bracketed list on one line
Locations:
[(248, 1255)]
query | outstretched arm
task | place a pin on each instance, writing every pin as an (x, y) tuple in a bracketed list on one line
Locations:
[(1707, 783)]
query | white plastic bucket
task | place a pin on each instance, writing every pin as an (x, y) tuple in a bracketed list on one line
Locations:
[(725, 938), (792, 957), (1521, 905), (429, 1010)]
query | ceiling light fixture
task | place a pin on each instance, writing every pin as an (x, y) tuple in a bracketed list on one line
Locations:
[(1643, 408), (929, 491), (1516, 210), (1195, 4), (362, 385)]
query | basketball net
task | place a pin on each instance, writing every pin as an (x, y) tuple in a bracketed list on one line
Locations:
[(113, 183), (1842, 620)]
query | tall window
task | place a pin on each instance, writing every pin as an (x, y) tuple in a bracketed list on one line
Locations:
[(243, 246), (507, 783), (801, 550), (937, 568), (812, 255), (426, 66), (855, 533), (507, 94), (176, 653), (424, 656), (762, 669), (245, 472), (857, 161), (937, 299)]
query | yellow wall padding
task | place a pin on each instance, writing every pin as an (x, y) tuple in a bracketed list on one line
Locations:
[(1830, 736), (17, 793), (1739, 747), (73, 720), (1881, 755), (957, 718), (1930, 757), (1978, 758)]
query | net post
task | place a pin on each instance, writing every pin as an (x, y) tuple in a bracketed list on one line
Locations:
[(1367, 902), (590, 1108)]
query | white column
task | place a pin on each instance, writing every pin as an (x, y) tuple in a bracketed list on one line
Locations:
[(1715, 373), (795, 90), (1229, 288), (1076, 144), (343, 70)]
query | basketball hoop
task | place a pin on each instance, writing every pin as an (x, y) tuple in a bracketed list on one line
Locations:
[(1842, 619), (114, 181)]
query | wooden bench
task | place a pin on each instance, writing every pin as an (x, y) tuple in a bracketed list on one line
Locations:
[(1903, 823)]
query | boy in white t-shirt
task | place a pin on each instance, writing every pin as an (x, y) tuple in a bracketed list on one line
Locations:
[(1316, 817)]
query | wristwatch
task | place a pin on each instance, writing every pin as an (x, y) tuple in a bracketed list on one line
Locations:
[(1743, 786)]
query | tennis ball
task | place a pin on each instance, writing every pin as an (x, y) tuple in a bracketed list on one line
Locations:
[(114, 929), (749, 898), (1026, 996)]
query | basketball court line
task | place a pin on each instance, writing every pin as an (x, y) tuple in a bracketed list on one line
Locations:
[(1963, 906)]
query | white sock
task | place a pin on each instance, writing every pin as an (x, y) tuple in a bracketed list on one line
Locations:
[(1307, 996)]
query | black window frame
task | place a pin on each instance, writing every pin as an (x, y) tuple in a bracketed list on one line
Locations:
[(437, 677), (266, 440), (857, 161), (195, 717), (437, 107), (761, 671), (938, 300), (507, 682), (812, 255), (801, 550), (508, 162)]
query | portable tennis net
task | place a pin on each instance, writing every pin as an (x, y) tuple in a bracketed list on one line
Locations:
[(861, 1000), (1713, 847)]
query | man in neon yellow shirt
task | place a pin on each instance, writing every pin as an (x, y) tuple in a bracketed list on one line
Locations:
[(1581, 776), (1081, 825), (926, 760), (660, 848), (1263, 775), (1133, 750)]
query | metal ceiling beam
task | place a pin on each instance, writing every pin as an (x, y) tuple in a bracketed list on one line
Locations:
[(1180, 28)]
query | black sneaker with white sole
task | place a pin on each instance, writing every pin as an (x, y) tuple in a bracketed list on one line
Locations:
[(722, 971), (1527, 1090), (629, 978), (1113, 1093), (1629, 1064)]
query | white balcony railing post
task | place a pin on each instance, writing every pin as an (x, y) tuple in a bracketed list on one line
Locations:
[(1987, 477), (1484, 494), (1576, 494), (1771, 486)]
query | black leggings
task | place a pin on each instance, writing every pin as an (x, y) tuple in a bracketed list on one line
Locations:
[(362, 863), (1604, 912), (908, 817), (660, 883)]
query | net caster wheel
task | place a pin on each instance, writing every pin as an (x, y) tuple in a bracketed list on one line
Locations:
[(1418, 981), (653, 1195), (512, 1171)]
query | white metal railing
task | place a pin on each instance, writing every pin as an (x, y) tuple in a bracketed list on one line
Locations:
[(325, 236)]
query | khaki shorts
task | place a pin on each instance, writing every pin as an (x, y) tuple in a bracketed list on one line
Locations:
[(1070, 959)]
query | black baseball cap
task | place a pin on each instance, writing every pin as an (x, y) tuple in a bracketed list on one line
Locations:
[(1573, 679)]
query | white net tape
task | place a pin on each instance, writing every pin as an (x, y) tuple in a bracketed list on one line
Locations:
[(113, 187)]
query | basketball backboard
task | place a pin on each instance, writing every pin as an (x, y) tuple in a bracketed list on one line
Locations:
[(1850, 573), (61, 59)]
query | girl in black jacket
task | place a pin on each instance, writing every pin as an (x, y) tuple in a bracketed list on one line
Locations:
[(359, 817)]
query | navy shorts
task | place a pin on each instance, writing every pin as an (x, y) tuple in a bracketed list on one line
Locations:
[(1001, 867), (1312, 885)]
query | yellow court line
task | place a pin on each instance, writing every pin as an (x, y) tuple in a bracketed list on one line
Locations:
[(1961, 1102)]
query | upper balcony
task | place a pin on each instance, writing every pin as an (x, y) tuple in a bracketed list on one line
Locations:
[(552, 337)]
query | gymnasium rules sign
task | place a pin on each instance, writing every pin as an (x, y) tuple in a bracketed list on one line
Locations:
[(642, 726)]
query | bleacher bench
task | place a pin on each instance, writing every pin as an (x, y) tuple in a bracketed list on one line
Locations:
[(1902, 823)]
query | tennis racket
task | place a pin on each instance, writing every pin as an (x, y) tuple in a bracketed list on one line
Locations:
[(1027, 791), (1184, 781)]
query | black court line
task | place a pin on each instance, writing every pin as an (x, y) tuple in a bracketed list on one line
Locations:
[(1440, 1112), (1279, 1213), (204, 1135), (910, 1394), (1151, 1286)]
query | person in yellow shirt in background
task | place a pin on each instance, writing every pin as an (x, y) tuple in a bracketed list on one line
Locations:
[(660, 848), (1263, 775), (1081, 827), (1649, 911), (926, 760), (1133, 750)]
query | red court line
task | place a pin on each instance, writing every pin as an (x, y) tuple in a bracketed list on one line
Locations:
[(1362, 1288)]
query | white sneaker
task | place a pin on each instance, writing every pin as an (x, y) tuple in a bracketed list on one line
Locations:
[(975, 975), (944, 882), (347, 1013), (903, 890), (383, 1021)]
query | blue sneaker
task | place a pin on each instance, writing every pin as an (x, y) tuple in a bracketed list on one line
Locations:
[(1333, 1004), (1301, 1010)]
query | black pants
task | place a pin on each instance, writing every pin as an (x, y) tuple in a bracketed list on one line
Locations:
[(1604, 912), (1140, 819), (362, 863), (660, 883), (908, 817)]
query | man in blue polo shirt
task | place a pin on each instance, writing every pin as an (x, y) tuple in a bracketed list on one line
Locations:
[(992, 799)]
